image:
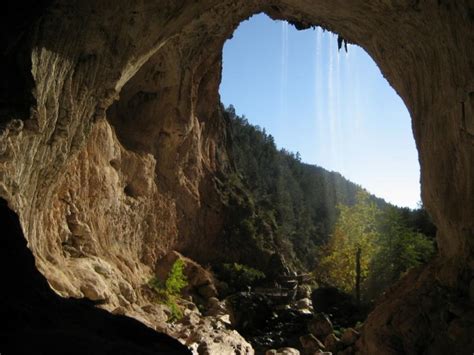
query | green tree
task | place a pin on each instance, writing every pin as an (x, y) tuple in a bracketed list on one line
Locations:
[(169, 292), (239, 276), (292, 207), (352, 245), (176, 280), (371, 248), (400, 248)]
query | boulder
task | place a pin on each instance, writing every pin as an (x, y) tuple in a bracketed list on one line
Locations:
[(209, 336), (303, 291), (215, 307), (335, 302), (219, 310), (200, 281), (207, 291), (127, 291), (349, 336), (320, 326), (332, 343), (304, 303), (250, 311), (311, 344)]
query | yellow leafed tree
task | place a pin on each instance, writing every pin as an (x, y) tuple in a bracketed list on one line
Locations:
[(352, 245)]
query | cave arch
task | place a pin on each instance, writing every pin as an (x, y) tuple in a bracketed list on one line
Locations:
[(165, 57), (404, 52)]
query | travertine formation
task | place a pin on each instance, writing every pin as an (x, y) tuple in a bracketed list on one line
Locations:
[(113, 151)]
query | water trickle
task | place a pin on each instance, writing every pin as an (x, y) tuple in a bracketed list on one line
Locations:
[(284, 71), (339, 113), (332, 115), (318, 86)]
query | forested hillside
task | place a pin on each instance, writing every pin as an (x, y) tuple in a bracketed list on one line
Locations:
[(304, 202)]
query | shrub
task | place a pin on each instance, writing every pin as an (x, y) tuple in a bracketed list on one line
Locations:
[(176, 280), (168, 292), (239, 276)]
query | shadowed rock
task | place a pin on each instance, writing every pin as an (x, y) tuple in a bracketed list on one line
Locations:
[(35, 320)]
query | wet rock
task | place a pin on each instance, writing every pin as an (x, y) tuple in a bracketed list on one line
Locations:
[(320, 326)]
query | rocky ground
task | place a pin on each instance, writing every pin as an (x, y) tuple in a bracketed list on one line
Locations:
[(242, 323), (206, 326), (294, 328)]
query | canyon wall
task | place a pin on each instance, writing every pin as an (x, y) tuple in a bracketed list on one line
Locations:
[(113, 151)]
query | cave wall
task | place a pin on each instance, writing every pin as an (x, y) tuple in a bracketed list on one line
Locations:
[(116, 161), (37, 320)]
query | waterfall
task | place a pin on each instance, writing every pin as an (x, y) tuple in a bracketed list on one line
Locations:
[(332, 114), (339, 112), (284, 71), (318, 89)]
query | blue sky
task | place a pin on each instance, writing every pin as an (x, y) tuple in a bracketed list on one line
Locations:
[(335, 109)]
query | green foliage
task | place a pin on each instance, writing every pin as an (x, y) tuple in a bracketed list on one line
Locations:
[(317, 219), (400, 249), (168, 292), (176, 280), (356, 229), (239, 276), (389, 247), (293, 204)]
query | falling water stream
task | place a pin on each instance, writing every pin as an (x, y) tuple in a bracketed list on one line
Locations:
[(336, 119), (342, 100), (284, 71)]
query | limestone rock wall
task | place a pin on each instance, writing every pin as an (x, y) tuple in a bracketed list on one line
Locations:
[(107, 218), (111, 153)]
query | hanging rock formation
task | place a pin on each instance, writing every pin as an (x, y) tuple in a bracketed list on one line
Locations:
[(113, 150)]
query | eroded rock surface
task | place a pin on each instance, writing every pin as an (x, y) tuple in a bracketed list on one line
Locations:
[(113, 151), (37, 320)]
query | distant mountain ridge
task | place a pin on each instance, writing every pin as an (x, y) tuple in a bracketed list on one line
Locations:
[(297, 200)]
